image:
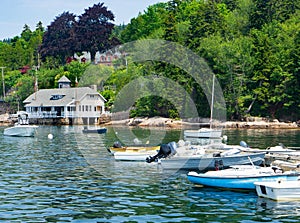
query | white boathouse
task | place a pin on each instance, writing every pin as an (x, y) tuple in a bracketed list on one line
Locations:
[(78, 105)]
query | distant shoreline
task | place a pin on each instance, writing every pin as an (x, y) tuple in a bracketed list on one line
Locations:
[(255, 123), (179, 124)]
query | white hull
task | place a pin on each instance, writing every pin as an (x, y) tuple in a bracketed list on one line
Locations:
[(279, 190), (208, 162), (20, 130), (203, 133), (133, 156)]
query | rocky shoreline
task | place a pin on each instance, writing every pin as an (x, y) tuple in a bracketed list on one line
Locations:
[(253, 123), (256, 123), (5, 120)]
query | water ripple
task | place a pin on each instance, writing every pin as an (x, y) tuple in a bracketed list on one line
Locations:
[(46, 180)]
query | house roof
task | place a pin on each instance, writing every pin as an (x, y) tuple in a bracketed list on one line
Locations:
[(58, 97), (64, 79)]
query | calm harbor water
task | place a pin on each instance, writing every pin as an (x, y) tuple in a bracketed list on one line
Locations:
[(72, 178)]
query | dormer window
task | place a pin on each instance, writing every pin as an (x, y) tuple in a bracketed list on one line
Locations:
[(56, 97)]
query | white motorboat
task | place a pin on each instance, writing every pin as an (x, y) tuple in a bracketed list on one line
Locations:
[(202, 158), (21, 127), (281, 149), (278, 190)]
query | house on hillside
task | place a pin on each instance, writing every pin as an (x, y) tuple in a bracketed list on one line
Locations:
[(105, 58), (79, 105)]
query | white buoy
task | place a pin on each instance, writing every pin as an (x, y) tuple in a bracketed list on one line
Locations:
[(50, 136)]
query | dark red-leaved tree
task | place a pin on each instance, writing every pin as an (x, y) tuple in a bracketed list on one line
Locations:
[(93, 30), (59, 39)]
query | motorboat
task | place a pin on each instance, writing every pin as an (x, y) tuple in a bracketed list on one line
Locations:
[(132, 153), (95, 130), (117, 147), (279, 190), (241, 177), (21, 127), (281, 149), (203, 158)]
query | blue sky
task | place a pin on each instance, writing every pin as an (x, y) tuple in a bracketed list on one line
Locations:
[(14, 14)]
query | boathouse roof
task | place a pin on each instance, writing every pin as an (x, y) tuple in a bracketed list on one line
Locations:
[(59, 97)]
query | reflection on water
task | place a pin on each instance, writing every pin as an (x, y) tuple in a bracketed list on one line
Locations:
[(278, 209), (264, 138), (72, 178)]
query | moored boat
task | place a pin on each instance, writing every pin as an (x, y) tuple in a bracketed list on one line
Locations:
[(96, 130), (279, 190), (133, 149), (202, 158), (21, 128), (205, 136), (240, 177), (205, 133), (132, 153)]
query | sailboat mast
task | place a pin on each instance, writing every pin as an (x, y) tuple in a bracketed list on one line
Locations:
[(212, 102)]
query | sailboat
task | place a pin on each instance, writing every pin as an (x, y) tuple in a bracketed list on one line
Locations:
[(205, 135)]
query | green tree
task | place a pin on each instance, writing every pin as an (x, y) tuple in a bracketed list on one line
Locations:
[(208, 20), (26, 33), (24, 87), (272, 49), (145, 25), (267, 11)]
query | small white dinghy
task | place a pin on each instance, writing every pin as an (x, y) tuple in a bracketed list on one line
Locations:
[(279, 190)]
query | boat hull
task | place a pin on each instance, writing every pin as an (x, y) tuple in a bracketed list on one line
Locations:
[(202, 163), (237, 182), (203, 136), (203, 133), (134, 156), (279, 190), (136, 149), (98, 131), (21, 131)]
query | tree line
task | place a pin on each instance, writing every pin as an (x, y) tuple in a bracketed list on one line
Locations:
[(252, 47)]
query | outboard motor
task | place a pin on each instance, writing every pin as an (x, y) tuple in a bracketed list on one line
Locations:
[(117, 144), (244, 144), (165, 150)]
